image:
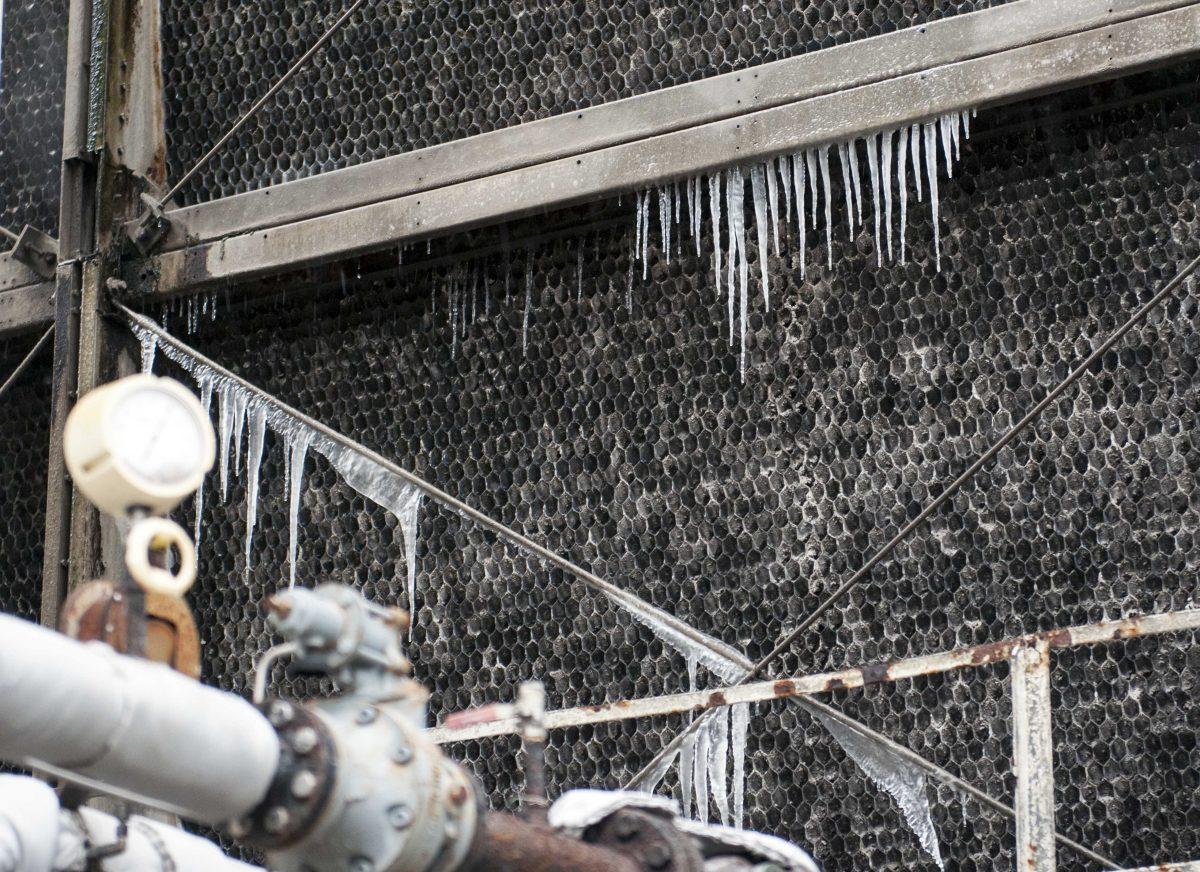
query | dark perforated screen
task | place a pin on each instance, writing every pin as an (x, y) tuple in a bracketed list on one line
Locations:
[(624, 438)]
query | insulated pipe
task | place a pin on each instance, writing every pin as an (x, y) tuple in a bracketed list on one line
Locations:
[(36, 836), (137, 728)]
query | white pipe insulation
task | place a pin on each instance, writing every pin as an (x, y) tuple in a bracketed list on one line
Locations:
[(35, 836), (138, 728)]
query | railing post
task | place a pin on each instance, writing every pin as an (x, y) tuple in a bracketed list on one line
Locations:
[(1033, 758)]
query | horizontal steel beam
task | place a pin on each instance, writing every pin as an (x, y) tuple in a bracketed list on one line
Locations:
[(26, 308), (1143, 39), (846, 679), (949, 40)]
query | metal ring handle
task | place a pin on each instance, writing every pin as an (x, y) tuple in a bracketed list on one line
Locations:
[(158, 534)]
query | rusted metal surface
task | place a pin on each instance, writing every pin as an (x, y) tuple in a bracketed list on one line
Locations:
[(1193, 866), (1033, 758), (814, 74), (505, 843), (980, 655), (1007, 75)]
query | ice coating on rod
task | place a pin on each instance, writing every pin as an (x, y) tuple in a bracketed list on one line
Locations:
[(903, 781)]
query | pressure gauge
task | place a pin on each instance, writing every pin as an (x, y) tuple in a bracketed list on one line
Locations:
[(142, 442)]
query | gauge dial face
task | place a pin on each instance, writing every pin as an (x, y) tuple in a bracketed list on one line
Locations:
[(157, 436)]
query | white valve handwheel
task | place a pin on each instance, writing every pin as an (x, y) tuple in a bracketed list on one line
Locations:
[(159, 534)]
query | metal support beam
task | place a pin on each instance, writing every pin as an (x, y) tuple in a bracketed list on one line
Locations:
[(942, 82), (26, 308), (846, 679), (1033, 758), (1193, 866)]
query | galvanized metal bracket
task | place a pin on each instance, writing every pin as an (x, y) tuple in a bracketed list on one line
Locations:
[(148, 232), (37, 250)]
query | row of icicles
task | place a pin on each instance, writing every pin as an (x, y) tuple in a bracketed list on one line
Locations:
[(799, 187)]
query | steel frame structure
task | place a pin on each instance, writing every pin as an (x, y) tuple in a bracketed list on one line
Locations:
[(1010, 52)]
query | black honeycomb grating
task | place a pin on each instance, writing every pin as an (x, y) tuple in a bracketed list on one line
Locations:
[(403, 76), (32, 77), (24, 445), (623, 438)]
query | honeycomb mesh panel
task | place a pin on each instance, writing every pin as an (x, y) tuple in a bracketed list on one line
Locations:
[(24, 445), (404, 76), (32, 78), (622, 436)]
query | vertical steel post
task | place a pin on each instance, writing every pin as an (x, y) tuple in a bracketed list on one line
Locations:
[(1033, 758)]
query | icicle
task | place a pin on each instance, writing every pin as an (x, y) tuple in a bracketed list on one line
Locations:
[(718, 760), (628, 289), (409, 517), (654, 777), (258, 428), (965, 118), (240, 400), (885, 159), (528, 302), (783, 165), (664, 219), (206, 393), (856, 179), (738, 209), (773, 201), (740, 717), (952, 121), (873, 165), (810, 159), (931, 170), (905, 782), (827, 184), (696, 212), (645, 238), (149, 346), (713, 654), (798, 174), (902, 184), (844, 154), (700, 772), (733, 202), (758, 187), (297, 452), (687, 751), (212, 309), (225, 425), (578, 276), (714, 211), (915, 156), (943, 124)]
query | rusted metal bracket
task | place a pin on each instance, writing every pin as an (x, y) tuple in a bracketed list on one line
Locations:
[(37, 250)]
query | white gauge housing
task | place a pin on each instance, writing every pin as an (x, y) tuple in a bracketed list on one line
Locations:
[(140, 442)]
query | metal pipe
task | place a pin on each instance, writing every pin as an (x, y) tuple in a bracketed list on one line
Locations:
[(134, 728), (36, 835), (505, 843)]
